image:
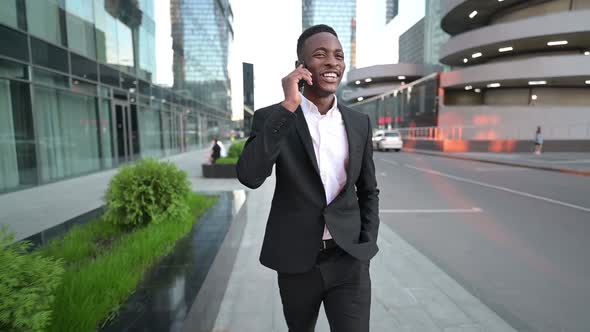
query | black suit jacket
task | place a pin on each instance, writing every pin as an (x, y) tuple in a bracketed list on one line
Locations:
[(296, 222)]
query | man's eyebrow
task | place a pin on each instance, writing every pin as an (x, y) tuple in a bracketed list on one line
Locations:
[(326, 50)]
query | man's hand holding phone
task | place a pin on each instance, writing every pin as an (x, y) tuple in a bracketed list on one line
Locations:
[(291, 87)]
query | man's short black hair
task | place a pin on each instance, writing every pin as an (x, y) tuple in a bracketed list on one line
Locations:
[(310, 32)]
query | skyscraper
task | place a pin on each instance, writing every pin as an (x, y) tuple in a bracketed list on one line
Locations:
[(411, 44), (434, 36), (340, 15), (391, 10), (202, 34)]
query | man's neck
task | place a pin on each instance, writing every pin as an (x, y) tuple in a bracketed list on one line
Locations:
[(324, 104)]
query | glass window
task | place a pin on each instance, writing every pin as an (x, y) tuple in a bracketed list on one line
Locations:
[(11, 69), (80, 24), (67, 133), (84, 68), (49, 56), (83, 87), (144, 88), (167, 132), (12, 13), (50, 78), (147, 51), (104, 92), (125, 46), (128, 83), (150, 133), (109, 76), (8, 13), (17, 139), (14, 44), (100, 24), (106, 137), (46, 19)]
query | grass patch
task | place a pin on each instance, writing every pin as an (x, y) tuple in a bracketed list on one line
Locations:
[(104, 265)]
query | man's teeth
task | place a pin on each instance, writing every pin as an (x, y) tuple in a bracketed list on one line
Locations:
[(330, 75)]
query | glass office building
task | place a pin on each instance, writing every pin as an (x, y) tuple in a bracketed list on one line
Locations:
[(202, 35), (76, 95), (434, 36), (340, 15)]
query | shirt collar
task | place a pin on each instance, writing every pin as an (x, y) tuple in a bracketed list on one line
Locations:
[(310, 108)]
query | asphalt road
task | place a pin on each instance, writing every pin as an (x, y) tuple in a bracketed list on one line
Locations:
[(518, 239)]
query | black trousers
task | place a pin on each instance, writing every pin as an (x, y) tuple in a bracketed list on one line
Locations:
[(340, 281)]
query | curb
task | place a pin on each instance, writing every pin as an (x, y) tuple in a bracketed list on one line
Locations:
[(497, 162)]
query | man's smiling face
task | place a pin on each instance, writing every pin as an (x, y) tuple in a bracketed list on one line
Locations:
[(324, 58)]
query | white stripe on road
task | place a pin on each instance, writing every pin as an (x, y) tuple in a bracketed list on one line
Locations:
[(487, 185), (472, 210), (499, 169)]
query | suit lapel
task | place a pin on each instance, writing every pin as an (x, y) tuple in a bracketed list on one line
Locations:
[(305, 136), (353, 140)]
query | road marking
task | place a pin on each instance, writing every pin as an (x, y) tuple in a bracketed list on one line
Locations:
[(472, 210), (550, 200), (390, 161), (499, 169)]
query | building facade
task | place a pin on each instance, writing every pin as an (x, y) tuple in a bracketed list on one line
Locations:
[(434, 36), (411, 44), (202, 36), (391, 10), (517, 65), (248, 77), (340, 15), (76, 95)]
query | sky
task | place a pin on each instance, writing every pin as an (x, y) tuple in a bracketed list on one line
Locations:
[(266, 33)]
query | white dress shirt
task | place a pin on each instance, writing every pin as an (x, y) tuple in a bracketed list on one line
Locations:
[(330, 144)]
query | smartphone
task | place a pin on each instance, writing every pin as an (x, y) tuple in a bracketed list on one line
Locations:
[(301, 82)]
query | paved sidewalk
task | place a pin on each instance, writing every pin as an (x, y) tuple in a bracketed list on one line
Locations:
[(566, 162), (409, 292)]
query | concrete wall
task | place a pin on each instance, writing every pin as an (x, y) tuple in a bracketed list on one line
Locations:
[(532, 10), (556, 23), (536, 68), (517, 122)]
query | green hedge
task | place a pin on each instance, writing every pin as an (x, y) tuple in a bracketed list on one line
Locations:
[(227, 160), (80, 280), (95, 286), (148, 191), (235, 150), (28, 283)]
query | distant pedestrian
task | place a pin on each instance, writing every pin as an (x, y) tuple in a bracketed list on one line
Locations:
[(215, 151), (538, 141)]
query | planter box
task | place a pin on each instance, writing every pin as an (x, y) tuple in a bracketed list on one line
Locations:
[(219, 171)]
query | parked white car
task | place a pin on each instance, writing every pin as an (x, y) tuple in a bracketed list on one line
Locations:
[(384, 140)]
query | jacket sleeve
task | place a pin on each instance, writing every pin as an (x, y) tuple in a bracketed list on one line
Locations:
[(269, 128), (367, 193)]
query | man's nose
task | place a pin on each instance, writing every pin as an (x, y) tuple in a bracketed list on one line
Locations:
[(333, 61)]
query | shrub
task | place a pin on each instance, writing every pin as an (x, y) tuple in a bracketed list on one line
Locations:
[(227, 160), (27, 286), (235, 150), (148, 191)]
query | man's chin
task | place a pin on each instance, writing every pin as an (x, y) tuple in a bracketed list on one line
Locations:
[(326, 91)]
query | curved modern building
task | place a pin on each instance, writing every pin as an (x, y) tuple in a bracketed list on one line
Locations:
[(517, 64), (367, 82)]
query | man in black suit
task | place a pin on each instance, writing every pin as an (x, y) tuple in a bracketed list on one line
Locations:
[(324, 219)]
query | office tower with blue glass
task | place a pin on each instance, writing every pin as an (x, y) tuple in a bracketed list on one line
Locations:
[(340, 15)]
